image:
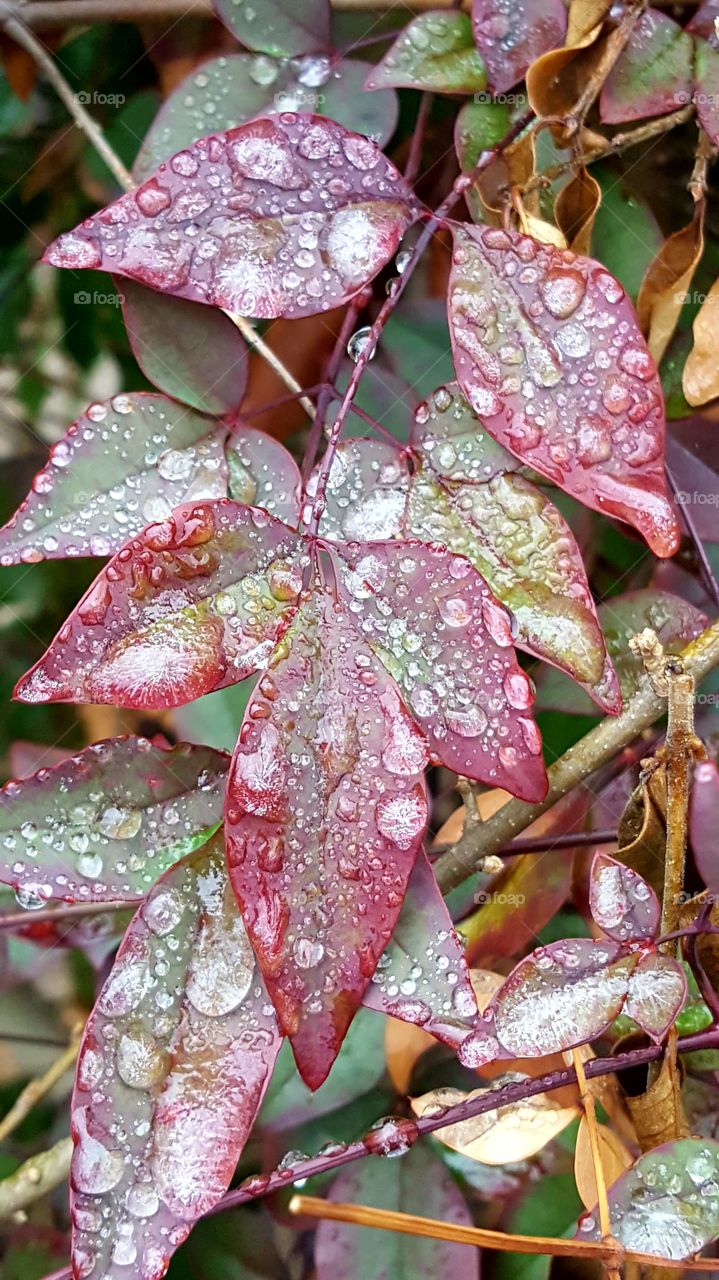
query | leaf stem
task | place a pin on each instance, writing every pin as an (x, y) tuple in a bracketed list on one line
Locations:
[(37, 1089), (679, 750), (34, 1178)]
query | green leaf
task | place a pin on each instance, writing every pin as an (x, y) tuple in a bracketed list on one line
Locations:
[(626, 235), (549, 1208), (435, 51), (280, 27)]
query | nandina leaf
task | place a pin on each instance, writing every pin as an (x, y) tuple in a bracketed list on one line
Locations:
[(173, 1064), (106, 823), (705, 23), (434, 51), (693, 457), (191, 352), (191, 605), (419, 1184), (657, 991), (518, 903), (622, 903), (565, 380), (231, 90), (505, 1135), (263, 474), (279, 27), (453, 442), (326, 811), (703, 809), (706, 87), (667, 1204), (479, 127), (511, 34), (366, 493), (652, 75), (422, 977), (290, 215), (438, 629), (123, 465)]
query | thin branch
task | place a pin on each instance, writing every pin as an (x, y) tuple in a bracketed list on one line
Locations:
[(252, 337), (37, 1089), (63, 911), (60, 13), (34, 1178)]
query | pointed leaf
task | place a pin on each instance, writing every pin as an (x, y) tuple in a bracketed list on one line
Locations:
[(106, 823), (435, 51), (615, 1158), (233, 89), (279, 27), (566, 381), (666, 282), (263, 474), (652, 75), (191, 352), (422, 977), (706, 87), (703, 810), (326, 810), (506, 1135), (667, 1204), (453, 442), (291, 216), (700, 381), (366, 492), (174, 1061), (622, 903), (657, 991), (124, 464), (193, 604), (511, 34), (438, 629)]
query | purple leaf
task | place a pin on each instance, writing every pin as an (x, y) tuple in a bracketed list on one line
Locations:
[(422, 977), (106, 823), (123, 465), (435, 51), (657, 991), (706, 86), (366, 492), (652, 75), (174, 1061), (693, 456), (446, 640), (192, 605), (263, 474), (512, 34), (453, 442), (705, 22), (291, 216), (565, 381), (326, 810), (622, 903), (703, 810), (278, 27)]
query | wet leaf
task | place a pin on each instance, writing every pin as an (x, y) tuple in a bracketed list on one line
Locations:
[(657, 991), (106, 823), (664, 287), (621, 902), (191, 352), (366, 492), (700, 380), (653, 74), (326, 810), (175, 1058), (575, 209), (703, 809), (506, 1135), (434, 51), (614, 1156), (447, 642), (668, 1203), (628, 255), (658, 1113), (263, 474), (418, 1183), (123, 465), (292, 215), (706, 87), (230, 90), (193, 604), (479, 127), (278, 27), (511, 34), (603, 442), (513, 908)]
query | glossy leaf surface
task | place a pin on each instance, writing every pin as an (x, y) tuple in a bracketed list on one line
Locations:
[(622, 903), (106, 823), (511, 34), (653, 74), (326, 810), (291, 216), (194, 604), (278, 27), (435, 51), (263, 474), (657, 991), (506, 1135), (565, 380), (366, 493)]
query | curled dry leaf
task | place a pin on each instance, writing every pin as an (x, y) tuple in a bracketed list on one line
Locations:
[(434, 51), (594, 421), (173, 1064), (652, 75), (106, 823), (278, 27), (293, 215), (557, 81), (658, 1113), (505, 1135), (700, 378), (193, 604), (614, 1156), (511, 34), (585, 19), (575, 209), (664, 287)]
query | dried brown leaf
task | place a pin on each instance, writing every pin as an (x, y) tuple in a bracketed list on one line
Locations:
[(642, 831), (585, 20), (575, 210), (504, 1136), (658, 1113), (666, 282), (700, 380), (615, 1160)]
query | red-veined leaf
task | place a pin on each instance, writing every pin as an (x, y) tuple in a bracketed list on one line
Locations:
[(435, 51), (620, 900), (565, 379), (657, 991), (123, 465), (291, 216), (668, 1202), (173, 1064), (326, 810), (703, 810), (278, 27), (448, 643), (107, 822), (511, 34), (652, 75), (193, 604), (234, 89), (263, 474)]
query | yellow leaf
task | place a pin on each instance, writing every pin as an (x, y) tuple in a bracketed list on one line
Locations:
[(509, 1134), (614, 1156), (666, 282), (700, 379)]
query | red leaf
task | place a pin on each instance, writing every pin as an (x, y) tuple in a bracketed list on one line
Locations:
[(174, 1061), (291, 216), (326, 810), (622, 903), (652, 75), (437, 627), (191, 605), (657, 991), (511, 34), (264, 474), (565, 379)]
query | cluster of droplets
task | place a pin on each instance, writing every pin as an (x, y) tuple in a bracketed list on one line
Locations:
[(366, 492)]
